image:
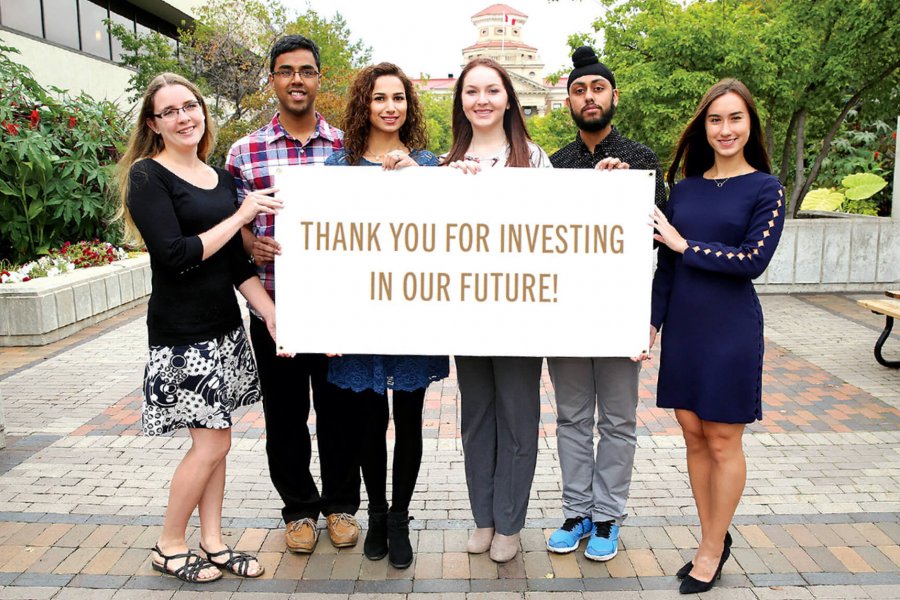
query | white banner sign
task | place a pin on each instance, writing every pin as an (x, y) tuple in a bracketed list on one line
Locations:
[(508, 262)]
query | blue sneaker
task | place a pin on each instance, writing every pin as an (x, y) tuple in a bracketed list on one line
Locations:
[(604, 544), (566, 538)]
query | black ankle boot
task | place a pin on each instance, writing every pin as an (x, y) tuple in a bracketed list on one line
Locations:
[(400, 550), (376, 544)]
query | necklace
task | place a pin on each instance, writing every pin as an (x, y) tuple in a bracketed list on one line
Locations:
[(722, 182), (378, 157)]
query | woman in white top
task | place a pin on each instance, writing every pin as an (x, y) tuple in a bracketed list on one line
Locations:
[(500, 395)]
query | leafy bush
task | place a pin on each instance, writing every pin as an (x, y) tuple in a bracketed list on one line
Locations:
[(865, 148), (854, 195), (56, 158)]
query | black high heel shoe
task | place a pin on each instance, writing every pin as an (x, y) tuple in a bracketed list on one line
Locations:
[(689, 566), (689, 585)]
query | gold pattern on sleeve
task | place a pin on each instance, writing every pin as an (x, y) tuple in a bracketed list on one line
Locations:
[(759, 243)]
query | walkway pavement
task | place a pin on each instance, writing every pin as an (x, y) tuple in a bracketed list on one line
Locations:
[(82, 494)]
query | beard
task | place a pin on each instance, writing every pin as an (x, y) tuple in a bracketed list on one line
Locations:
[(594, 125)]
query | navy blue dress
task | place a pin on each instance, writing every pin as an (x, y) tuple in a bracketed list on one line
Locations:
[(360, 372), (704, 301)]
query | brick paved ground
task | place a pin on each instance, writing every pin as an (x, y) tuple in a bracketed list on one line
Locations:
[(82, 495)]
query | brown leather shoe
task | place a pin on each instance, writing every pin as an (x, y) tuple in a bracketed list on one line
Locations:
[(301, 536), (342, 529)]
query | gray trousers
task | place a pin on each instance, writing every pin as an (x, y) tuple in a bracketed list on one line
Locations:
[(500, 413), (596, 487)]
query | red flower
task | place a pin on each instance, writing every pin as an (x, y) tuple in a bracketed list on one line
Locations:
[(11, 128), (877, 155), (24, 279), (72, 122), (34, 118)]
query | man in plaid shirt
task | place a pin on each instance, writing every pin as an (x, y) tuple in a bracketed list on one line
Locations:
[(297, 135)]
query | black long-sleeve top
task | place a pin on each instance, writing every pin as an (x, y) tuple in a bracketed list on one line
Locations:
[(192, 299)]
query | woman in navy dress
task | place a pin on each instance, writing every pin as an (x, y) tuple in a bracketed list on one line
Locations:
[(720, 230), (384, 127)]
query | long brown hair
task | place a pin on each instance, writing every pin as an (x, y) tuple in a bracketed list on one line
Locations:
[(356, 116), (513, 119), (145, 143), (694, 148)]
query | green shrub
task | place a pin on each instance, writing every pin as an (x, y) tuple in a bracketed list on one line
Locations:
[(56, 158)]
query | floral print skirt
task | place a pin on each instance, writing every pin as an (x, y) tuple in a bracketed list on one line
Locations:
[(198, 385)]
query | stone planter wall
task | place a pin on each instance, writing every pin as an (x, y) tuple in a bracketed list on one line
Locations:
[(48, 309), (852, 254)]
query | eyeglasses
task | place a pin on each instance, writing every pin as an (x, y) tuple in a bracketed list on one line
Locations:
[(288, 74), (170, 114)]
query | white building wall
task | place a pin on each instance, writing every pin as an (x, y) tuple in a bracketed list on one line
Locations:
[(69, 69), (75, 71)]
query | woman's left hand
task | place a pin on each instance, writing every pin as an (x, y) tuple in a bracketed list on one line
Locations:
[(269, 320), (665, 233), (397, 159)]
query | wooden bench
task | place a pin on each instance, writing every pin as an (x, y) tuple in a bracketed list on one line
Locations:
[(890, 308)]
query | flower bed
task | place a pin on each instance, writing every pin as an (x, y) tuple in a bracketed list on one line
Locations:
[(69, 257), (47, 309)]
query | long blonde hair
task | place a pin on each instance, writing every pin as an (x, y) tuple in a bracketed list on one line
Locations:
[(145, 143)]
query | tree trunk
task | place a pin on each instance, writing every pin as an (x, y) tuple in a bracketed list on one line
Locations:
[(799, 166), (770, 135), (786, 148)]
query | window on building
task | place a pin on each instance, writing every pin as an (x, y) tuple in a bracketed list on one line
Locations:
[(120, 14), (94, 34), (515, 32), (79, 24), (22, 15), (60, 19), (499, 31)]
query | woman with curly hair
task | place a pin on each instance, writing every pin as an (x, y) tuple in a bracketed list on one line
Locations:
[(384, 127)]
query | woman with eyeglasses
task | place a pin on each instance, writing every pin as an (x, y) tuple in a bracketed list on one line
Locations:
[(384, 126), (200, 368), (499, 395)]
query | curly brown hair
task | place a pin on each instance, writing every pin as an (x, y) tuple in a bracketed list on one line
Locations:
[(356, 115)]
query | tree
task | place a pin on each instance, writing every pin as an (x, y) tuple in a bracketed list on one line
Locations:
[(225, 52), (808, 64), (437, 109), (553, 130)]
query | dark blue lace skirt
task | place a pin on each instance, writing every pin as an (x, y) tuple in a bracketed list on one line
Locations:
[(377, 372)]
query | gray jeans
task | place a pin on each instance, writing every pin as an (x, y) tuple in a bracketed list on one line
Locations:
[(500, 414), (595, 486)]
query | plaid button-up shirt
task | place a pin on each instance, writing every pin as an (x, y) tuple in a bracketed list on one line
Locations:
[(253, 157)]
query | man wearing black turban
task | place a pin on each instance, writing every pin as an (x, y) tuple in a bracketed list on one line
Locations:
[(595, 490)]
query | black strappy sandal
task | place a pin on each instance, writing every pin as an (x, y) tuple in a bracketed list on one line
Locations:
[(189, 571), (238, 562)]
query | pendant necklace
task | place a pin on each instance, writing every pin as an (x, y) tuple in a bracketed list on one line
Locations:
[(721, 183)]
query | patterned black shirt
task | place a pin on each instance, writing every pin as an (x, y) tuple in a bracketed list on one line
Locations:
[(577, 156)]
